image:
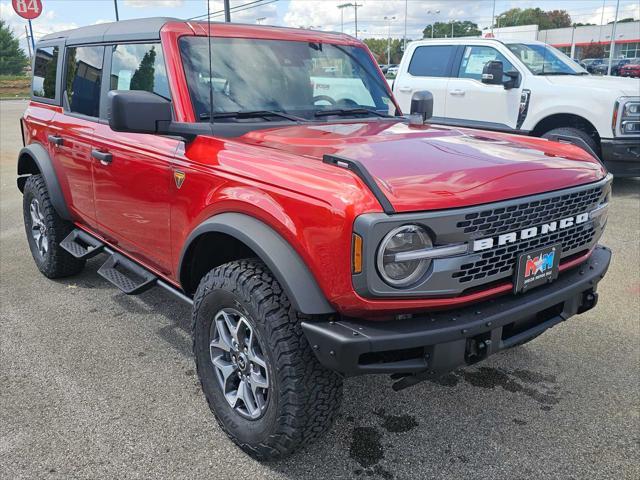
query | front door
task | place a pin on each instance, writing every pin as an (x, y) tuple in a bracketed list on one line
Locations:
[(475, 103), (132, 172)]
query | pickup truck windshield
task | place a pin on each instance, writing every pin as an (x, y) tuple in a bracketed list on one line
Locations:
[(545, 60), (287, 79)]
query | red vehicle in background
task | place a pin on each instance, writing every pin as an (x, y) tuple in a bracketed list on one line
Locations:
[(267, 177), (631, 69)]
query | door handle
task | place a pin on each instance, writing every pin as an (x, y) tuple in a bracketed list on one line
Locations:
[(55, 140), (457, 92), (104, 157), (404, 89)]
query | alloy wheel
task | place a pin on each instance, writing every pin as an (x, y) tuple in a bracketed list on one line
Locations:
[(39, 228), (239, 363)]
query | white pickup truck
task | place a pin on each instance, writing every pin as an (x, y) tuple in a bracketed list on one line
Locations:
[(528, 88)]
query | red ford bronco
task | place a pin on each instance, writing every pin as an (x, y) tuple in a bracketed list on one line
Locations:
[(267, 177)]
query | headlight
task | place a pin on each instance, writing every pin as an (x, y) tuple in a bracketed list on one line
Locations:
[(407, 238), (629, 117)]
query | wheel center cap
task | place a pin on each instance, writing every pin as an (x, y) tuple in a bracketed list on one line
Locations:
[(242, 362)]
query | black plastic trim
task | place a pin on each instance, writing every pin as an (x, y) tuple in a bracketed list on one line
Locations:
[(577, 141), (283, 261), (41, 157), (360, 170), (444, 336)]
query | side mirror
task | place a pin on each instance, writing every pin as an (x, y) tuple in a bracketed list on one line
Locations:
[(422, 104), (138, 111), (492, 73)]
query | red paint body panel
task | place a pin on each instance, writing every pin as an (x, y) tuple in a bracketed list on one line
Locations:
[(278, 177)]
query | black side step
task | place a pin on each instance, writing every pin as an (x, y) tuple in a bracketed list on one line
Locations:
[(128, 276), (82, 245)]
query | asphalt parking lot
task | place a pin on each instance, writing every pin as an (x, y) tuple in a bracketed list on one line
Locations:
[(95, 384)]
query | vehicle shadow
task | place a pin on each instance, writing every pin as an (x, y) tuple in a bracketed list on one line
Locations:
[(626, 187)]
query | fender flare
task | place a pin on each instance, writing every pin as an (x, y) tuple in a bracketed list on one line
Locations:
[(283, 261), (41, 158)]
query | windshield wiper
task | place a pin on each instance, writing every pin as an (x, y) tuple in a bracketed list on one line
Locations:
[(558, 73), (342, 112), (253, 114)]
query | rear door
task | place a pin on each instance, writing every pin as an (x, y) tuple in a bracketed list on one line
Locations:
[(71, 132), (133, 172), (428, 69), (471, 102)]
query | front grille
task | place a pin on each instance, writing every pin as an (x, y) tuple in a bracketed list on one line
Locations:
[(515, 217), (503, 260)]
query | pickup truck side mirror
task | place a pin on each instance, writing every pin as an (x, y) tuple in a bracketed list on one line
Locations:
[(139, 111), (493, 72), (422, 104)]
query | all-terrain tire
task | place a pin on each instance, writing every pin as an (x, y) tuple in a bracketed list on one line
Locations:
[(55, 262), (304, 397), (574, 132)]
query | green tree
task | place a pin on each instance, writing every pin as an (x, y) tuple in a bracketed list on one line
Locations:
[(378, 47), (444, 29), (12, 58), (534, 16), (142, 78), (625, 20)]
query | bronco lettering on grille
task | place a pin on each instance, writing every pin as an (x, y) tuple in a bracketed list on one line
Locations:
[(512, 237)]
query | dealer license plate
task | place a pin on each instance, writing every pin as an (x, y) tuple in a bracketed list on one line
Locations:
[(537, 267)]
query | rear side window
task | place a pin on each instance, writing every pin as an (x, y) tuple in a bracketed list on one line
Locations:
[(44, 72), (475, 58), (83, 79), (139, 67), (432, 61)]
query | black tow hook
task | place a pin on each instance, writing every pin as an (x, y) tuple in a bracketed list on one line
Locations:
[(589, 300)]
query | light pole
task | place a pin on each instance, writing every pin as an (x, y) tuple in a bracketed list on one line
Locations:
[(389, 20), (342, 7), (433, 23), (613, 39), (115, 4), (404, 39), (355, 7), (260, 20)]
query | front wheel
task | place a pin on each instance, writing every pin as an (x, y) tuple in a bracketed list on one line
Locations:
[(263, 383), (45, 230), (574, 132)]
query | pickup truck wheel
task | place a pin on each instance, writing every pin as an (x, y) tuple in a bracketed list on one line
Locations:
[(574, 132), (259, 375), (45, 230)]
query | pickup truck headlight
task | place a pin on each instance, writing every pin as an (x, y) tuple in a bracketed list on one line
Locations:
[(399, 272), (627, 117)]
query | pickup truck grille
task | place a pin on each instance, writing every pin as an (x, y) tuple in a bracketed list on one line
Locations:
[(503, 260), (515, 217)]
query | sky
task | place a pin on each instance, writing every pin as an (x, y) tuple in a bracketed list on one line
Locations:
[(60, 15)]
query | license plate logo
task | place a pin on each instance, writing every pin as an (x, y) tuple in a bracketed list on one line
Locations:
[(537, 268)]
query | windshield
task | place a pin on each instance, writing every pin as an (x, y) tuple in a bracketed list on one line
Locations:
[(543, 59), (279, 77)]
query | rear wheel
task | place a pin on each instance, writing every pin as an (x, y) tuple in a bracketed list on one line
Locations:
[(45, 230), (263, 383)]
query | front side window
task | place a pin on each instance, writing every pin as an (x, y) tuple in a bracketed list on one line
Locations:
[(139, 67), (83, 79), (45, 69), (475, 58), (432, 61), (299, 78), (543, 59)]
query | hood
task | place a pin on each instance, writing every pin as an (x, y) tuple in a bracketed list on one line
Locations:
[(435, 167), (612, 85)]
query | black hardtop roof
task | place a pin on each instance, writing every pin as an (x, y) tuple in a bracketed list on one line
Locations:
[(124, 30)]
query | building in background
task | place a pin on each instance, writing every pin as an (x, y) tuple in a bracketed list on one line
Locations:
[(573, 40)]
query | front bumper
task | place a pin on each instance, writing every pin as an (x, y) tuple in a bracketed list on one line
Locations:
[(439, 342), (622, 156)]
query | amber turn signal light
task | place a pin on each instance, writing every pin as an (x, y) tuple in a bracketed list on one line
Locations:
[(356, 259)]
